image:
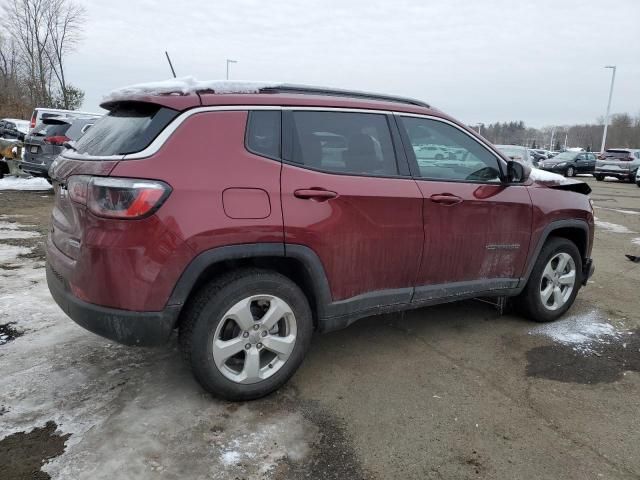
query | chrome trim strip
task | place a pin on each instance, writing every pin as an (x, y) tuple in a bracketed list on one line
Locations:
[(160, 140)]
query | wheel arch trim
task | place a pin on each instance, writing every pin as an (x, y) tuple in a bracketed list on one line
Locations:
[(575, 224)]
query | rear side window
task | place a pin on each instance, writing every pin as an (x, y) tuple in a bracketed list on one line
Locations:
[(340, 142), (617, 154), (263, 133), (128, 128)]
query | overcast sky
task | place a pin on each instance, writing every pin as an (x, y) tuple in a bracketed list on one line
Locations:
[(480, 61)]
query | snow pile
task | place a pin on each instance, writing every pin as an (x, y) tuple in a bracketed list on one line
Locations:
[(544, 176), (581, 332), (17, 183), (187, 85), (612, 227)]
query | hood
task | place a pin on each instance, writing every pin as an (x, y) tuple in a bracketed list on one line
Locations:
[(558, 182)]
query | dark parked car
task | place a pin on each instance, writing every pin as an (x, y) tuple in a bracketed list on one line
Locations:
[(570, 164), (247, 221), (13, 128), (537, 156), (621, 163), (45, 143)]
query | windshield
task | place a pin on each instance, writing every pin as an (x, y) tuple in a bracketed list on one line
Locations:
[(128, 128)]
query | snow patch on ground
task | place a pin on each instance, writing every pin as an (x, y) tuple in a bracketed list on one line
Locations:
[(11, 231), (253, 444), (581, 332), (17, 183), (636, 241), (127, 409), (612, 227), (10, 253), (187, 85)]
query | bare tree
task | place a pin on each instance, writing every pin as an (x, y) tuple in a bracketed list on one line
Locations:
[(43, 33), (65, 28)]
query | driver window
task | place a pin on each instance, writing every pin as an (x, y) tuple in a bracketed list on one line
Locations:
[(444, 152)]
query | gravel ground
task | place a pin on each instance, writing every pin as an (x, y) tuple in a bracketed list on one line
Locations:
[(449, 392)]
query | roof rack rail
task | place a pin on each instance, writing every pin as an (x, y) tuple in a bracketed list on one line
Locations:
[(336, 92)]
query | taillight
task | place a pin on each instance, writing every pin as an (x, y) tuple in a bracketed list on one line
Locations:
[(125, 198), (33, 120), (57, 140)]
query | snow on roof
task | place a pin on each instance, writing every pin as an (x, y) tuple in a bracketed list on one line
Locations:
[(187, 85)]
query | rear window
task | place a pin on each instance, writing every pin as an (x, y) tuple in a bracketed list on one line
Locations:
[(53, 129), (128, 128), (618, 154)]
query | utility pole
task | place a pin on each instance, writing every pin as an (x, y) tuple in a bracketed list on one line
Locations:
[(553, 131), (229, 61), (606, 118)]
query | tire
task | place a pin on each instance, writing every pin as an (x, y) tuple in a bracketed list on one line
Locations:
[(599, 177), (638, 184), (207, 318), (439, 156), (570, 172), (530, 301)]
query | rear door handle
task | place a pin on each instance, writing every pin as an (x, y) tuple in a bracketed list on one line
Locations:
[(315, 194), (446, 199)]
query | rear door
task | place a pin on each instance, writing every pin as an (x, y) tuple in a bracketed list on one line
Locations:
[(476, 228), (348, 195)]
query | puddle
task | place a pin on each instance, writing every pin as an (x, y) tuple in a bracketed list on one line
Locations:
[(8, 333), (601, 363), (23, 454)]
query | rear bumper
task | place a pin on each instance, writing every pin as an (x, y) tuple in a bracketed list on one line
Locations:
[(37, 165), (588, 268), (616, 173), (122, 326)]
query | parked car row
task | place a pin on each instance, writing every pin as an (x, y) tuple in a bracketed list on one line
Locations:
[(49, 139)]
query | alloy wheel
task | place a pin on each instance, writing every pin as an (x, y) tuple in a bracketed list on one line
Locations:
[(558, 281), (254, 339)]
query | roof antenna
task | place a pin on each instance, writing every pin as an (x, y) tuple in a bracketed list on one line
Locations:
[(170, 64)]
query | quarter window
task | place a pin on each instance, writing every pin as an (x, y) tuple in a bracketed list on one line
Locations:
[(341, 142), (263, 133), (444, 152)]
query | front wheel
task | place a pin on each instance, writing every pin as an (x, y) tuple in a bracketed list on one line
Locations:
[(599, 177), (554, 281), (570, 172), (245, 334)]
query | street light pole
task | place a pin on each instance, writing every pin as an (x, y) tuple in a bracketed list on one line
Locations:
[(606, 118), (228, 62)]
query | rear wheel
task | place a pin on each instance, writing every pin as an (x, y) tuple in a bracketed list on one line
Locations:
[(554, 281), (245, 334), (599, 177)]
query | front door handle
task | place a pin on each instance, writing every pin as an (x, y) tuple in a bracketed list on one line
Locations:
[(446, 199), (315, 194)]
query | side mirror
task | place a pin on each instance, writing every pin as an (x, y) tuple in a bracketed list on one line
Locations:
[(517, 172)]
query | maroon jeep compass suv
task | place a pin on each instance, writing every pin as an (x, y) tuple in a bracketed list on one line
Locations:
[(247, 221)]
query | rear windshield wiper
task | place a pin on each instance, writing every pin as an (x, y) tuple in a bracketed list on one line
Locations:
[(70, 144)]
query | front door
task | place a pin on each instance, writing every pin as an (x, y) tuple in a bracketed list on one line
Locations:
[(476, 228), (344, 197)]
